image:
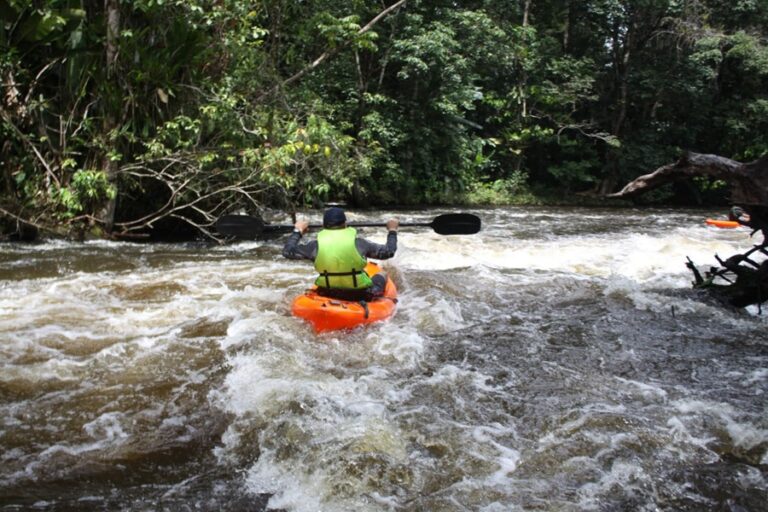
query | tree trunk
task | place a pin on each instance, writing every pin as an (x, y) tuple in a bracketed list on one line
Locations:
[(526, 12), (112, 12), (621, 61), (524, 73), (749, 182), (8, 188), (567, 27)]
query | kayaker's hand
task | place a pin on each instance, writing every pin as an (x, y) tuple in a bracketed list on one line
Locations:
[(393, 224), (302, 226)]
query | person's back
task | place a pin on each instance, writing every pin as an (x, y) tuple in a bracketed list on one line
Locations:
[(338, 261), (340, 256)]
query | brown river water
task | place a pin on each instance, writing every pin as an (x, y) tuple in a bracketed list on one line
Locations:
[(557, 361)]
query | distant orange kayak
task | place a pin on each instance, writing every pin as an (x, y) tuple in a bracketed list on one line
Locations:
[(327, 314), (722, 223)]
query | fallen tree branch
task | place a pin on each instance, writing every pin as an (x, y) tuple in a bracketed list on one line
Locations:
[(746, 278), (194, 196), (749, 182), (29, 143), (21, 222)]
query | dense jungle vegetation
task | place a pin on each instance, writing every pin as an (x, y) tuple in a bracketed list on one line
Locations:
[(118, 116)]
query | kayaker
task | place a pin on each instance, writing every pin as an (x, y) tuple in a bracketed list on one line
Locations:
[(340, 256), (757, 219), (739, 215)]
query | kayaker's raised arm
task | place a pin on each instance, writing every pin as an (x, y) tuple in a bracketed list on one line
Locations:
[(293, 250), (378, 251)]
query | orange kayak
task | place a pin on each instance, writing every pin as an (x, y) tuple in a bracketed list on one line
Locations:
[(327, 314), (722, 223)]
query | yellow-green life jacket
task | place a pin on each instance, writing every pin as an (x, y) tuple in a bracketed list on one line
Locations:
[(338, 262)]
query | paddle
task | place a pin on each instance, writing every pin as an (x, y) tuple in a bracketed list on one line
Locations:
[(246, 226)]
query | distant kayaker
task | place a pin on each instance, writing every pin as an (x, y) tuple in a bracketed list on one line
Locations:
[(739, 215), (340, 256)]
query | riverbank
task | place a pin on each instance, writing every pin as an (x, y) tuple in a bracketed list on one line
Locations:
[(16, 229)]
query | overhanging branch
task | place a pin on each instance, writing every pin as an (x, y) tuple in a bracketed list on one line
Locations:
[(749, 182)]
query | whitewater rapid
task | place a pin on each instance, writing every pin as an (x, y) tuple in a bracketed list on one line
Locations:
[(557, 360)]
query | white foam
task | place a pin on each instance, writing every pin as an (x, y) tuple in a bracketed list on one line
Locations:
[(623, 475), (643, 258), (107, 428), (507, 458), (756, 376), (745, 435), (432, 313), (681, 436), (648, 391), (398, 344)]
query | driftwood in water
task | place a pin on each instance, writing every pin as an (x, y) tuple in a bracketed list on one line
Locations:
[(747, 280), (740, 280)]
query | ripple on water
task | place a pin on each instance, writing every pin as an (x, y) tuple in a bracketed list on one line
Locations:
[(557, 361)]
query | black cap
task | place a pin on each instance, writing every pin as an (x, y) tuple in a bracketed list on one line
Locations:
[(334, 217)]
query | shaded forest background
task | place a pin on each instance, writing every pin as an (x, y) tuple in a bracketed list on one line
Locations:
[(117, 116)]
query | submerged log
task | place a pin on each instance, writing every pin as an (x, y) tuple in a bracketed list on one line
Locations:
[(740, 280)]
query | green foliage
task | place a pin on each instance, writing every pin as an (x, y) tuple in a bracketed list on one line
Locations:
[(512, 190), (311, 162), (86, 190), (226, 105)]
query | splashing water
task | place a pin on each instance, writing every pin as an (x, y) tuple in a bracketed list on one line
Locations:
[(558, 360)]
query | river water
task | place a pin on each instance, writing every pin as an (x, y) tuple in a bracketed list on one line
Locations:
[(559, 360)]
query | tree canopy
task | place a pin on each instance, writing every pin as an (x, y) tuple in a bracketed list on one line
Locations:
[(123, 116)]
